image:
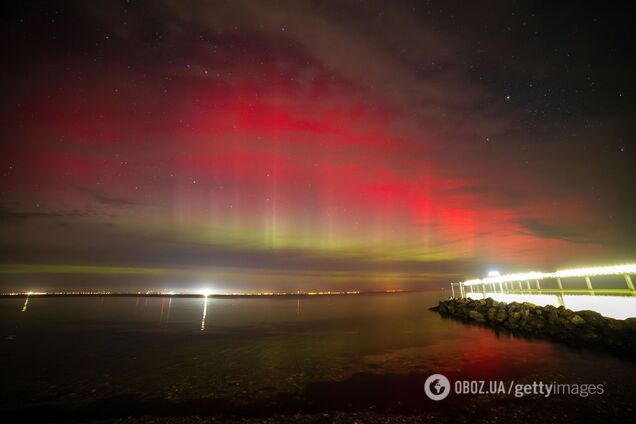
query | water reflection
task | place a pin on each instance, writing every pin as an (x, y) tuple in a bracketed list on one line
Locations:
[(26, 303), (618, 307), (205, 310)]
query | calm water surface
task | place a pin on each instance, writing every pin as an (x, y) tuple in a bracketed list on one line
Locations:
[(66, 350)]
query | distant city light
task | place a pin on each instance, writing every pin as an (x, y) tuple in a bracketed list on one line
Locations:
[(494, 273), (192, 292)]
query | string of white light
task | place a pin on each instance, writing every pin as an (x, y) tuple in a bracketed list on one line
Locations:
[(534, 275)]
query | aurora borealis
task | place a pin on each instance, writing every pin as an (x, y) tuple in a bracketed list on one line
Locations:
[(306, 145)]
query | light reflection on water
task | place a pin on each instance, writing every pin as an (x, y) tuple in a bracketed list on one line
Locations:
[(618, 307), (205, 310), (26, 304)]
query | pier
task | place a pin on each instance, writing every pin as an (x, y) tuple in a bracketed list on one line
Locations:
[(569, 281)]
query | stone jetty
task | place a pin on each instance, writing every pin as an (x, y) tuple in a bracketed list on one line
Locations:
[(587, 328)]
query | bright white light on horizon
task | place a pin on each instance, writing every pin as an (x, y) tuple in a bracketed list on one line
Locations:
[(205, 292), (494, 273)]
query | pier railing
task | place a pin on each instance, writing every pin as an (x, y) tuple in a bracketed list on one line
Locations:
[(530, 282)]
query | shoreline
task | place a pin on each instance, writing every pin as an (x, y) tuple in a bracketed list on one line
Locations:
[(197, 295)]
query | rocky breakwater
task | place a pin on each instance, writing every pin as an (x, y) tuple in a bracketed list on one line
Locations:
[(581, 327)]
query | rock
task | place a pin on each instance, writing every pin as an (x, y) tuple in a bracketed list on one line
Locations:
[(551, 315), (593, 318), (631, 323), (577, 320), (501, 315), (514, 307), (564, 324), (536, 322), (612, 341), (477, 316), (550, 308), (588, 335), (492, 313), (616, 327)]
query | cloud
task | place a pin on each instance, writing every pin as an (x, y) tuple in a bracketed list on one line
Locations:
[(12, 216), (106, 199), (74, 269), (540, 229), (493, 196)]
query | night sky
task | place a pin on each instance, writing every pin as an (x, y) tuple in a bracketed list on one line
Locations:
[(286, 145)]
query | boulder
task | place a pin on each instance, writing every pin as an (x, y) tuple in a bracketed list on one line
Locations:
[(613, 341), (492, 313), (593, 318), (576, 320), (631, 323), (564, 324), (614, 327), (502, 315), (536, 322), (587, 335), (550, 315), (477, 316)]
